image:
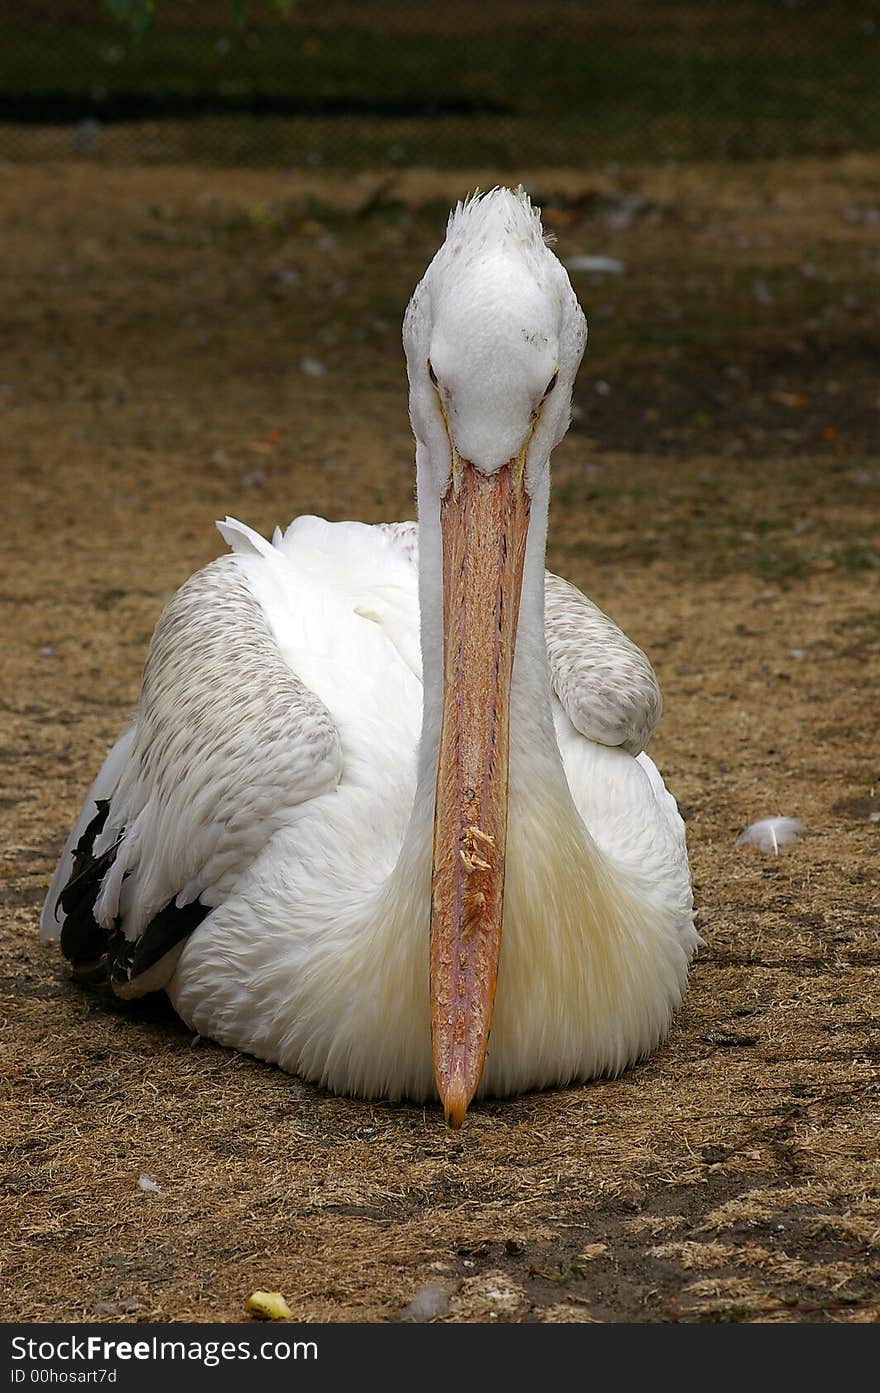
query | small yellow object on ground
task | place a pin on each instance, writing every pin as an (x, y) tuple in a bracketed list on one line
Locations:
[(268, 1305)]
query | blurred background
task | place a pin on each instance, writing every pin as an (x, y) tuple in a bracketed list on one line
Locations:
[(337, 84), (223, 205)]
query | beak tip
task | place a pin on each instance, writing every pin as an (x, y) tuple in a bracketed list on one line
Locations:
[(456, 1098)]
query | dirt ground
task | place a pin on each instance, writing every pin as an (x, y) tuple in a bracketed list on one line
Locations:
[(182, 343)]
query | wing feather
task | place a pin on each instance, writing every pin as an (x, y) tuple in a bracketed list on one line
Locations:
[(226, 742), (606, 685)]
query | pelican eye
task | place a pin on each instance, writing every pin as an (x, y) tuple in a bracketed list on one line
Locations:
[(432, 374), (551, 384)]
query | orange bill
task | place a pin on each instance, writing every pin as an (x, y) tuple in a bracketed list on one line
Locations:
[(484, 521)]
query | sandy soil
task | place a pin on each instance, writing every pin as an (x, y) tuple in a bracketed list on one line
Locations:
[(178, 344)]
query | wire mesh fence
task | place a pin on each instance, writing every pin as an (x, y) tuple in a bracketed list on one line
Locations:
[(506, 83)]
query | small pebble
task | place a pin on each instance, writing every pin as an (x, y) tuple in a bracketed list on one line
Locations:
[(429, 1303), (598, 265)]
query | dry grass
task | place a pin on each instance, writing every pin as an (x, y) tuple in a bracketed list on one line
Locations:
[(152, 382)]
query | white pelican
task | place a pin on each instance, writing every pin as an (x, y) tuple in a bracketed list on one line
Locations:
[(314, 827)]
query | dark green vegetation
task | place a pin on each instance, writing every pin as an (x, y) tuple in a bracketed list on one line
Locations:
[(343, 85)]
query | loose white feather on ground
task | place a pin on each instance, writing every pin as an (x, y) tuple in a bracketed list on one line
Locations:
[(770, 833)]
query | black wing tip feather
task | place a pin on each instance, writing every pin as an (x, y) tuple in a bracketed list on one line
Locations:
[(82, 939), (165, 931), (97, 954)]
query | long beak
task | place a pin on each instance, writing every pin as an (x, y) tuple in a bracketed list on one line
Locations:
[(484, 522)]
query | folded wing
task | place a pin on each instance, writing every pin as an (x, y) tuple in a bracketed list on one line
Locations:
[(226, 742), (606, 685)]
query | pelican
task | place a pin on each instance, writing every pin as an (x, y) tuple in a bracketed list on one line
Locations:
[(386, 788)]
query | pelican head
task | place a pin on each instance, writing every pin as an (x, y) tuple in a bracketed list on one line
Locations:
[(493, 338), (492, 333)]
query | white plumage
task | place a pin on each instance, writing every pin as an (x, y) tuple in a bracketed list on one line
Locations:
[(770, 833), (278, 782)]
